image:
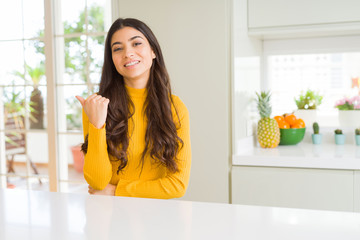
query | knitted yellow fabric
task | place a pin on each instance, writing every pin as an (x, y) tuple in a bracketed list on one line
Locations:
[(155, 181)]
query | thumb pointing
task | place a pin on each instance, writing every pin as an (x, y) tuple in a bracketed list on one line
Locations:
[(81, 100)]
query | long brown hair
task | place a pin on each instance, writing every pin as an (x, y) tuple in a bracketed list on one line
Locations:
[(161, 139)]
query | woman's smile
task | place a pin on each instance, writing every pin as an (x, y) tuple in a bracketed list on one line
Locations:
[(131, 64)]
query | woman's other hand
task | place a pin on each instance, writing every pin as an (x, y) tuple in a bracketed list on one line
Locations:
[(108, 190), (95, 108)]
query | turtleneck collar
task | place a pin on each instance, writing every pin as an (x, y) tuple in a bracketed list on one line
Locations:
[(135, 92)]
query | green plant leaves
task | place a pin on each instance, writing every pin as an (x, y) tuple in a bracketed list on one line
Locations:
[(309, 100)]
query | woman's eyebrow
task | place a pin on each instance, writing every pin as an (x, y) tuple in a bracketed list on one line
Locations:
[(132, 38)]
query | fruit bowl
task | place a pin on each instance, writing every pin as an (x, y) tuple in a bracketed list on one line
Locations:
[(291, 136)]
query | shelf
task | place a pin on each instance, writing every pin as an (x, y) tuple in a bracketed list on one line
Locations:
[(303, 155)]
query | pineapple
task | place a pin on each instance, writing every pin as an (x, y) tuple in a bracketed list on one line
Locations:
[(268, 132)]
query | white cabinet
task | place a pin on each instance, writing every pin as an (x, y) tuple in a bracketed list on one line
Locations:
[(306, 16), (324, 189), (325, 177)]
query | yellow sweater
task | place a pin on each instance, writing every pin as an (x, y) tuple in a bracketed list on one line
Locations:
[(155, 181)]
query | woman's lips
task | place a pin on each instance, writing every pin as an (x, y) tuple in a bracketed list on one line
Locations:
[(130, 64)]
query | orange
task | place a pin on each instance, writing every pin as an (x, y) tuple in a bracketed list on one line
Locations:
[(279, 118), (290, 119), (299, 123), (283, 125)]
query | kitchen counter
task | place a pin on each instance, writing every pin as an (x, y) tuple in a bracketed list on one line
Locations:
[(46, 215), (302, 155)]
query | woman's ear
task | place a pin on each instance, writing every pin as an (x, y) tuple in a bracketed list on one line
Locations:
[(153, 54)]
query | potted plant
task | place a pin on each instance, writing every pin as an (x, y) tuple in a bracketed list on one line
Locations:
[(316, 136), (36, 99), (357, 136), (339, 137), (349, 111), (15, 108), (307, 103)]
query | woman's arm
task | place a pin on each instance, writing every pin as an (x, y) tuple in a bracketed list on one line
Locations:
[(173, 185), (97, 167)]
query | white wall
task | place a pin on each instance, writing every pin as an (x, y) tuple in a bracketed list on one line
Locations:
[(247, 54), (195, 40)]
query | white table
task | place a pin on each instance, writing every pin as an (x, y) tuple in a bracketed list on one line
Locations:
[(46, 215)]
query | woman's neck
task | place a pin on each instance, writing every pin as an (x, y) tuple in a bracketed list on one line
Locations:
[(139, 83)]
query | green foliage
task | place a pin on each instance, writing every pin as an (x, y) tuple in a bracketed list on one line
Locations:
[(316, 128), (15, 105), (357, 131), (338, 131), (36, 73), (346, 106), (309, 100), (75, 62), (263, 104), (74, 118)]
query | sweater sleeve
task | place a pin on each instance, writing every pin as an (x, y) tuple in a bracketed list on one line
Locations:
[(97, 167), (173, 185)]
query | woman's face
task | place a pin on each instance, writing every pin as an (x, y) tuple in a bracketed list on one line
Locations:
[(132, 56)]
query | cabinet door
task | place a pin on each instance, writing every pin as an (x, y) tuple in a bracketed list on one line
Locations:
[(285, 13), (357, 191), (293, 187)]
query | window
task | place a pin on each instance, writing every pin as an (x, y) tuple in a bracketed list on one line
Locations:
[(328, 66), (79, 35), (79, 54), (23, 96)]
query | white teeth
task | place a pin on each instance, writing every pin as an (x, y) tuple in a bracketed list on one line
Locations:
[(132, 63)]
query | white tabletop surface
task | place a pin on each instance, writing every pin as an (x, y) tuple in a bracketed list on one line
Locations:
[(302, 155), (44, 215)]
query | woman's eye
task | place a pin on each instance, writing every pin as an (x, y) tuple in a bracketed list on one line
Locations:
[(117, 49), (137, 43)]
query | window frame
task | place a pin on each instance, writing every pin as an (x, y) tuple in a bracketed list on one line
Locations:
[(52, 62)]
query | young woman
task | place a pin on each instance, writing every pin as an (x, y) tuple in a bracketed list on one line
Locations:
[(137, 140)]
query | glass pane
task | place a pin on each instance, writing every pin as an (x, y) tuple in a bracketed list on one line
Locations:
[(39, 184), (75, 60), (96, 49), (72, 16), (95, 89), (33, 13), (35, 62), (28, 183), (16, 157), (11, 19), (332, 75), (37, 153), (36, 99), (96, 15), (15, 108), (69, 108), (17, 182), (71, 159), (74, 187), (12, 63)]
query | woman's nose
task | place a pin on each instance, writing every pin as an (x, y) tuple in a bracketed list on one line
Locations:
[(129, 52)]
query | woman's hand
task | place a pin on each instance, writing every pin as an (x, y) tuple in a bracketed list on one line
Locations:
[(95, 108), (108, 190)]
